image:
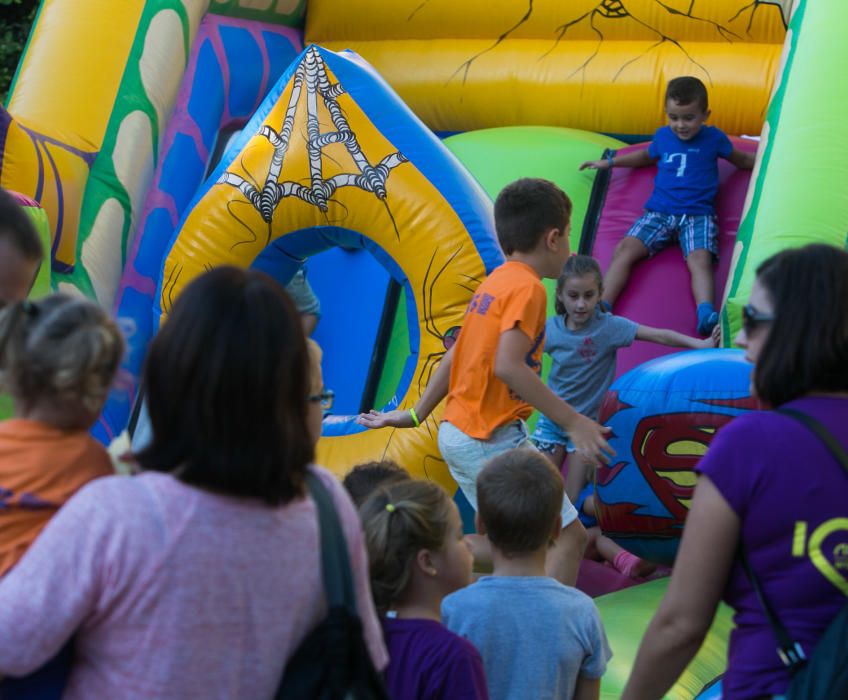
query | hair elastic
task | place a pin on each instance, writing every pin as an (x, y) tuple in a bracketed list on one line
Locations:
[(414, 417), (390, 507), (610, 156)]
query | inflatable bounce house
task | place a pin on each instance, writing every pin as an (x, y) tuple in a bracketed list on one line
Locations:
[(364, 141)]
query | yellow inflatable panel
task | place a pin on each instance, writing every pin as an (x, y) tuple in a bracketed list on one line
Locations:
[(69, 42), (619, 91), (729, 21), (53, 170), (332, 152), (586, 64)]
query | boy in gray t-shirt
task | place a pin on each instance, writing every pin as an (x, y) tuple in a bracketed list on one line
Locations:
[(538, 638)]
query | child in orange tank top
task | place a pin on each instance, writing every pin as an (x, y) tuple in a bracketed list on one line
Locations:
[(58, 357)]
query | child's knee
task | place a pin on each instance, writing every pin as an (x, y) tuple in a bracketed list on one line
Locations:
[(630, 248), (700, 258)]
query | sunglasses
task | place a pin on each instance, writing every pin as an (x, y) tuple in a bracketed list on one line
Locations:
[(751, 318), (325, 398)]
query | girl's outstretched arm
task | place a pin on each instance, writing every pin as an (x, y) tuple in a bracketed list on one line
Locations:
[(700, 574), (434, 392), (666, 336)]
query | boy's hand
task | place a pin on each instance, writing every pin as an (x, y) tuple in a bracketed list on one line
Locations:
[(589, 439), (389, 419), (595, 165)]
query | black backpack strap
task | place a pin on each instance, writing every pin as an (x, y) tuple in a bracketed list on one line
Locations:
[(335, 563), (821, 432), (791, 653)]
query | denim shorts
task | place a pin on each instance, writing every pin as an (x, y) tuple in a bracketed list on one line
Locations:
[(466, 456), (548, 435), (693, 231)]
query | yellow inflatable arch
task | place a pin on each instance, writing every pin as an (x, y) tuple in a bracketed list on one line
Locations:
[(333, 157)]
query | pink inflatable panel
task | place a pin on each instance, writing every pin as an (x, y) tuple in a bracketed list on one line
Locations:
[(659, 293)]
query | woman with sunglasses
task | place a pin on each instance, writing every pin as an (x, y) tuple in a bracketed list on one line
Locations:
[(200, 576), (768, 486)]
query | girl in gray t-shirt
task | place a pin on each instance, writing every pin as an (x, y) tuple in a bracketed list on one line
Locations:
[(582, 341)]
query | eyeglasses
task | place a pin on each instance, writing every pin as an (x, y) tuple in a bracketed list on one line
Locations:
[(751, 318), (325, 398)]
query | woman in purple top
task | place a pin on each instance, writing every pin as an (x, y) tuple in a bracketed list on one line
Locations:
[(771, 484), (418, 555)]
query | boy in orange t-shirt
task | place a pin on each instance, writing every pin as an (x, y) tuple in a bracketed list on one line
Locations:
[(491, 375)]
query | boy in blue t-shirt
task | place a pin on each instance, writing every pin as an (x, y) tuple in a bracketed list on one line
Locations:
[(681, 207), (537, 637)]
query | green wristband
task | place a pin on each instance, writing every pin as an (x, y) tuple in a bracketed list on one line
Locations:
[(414, 417)]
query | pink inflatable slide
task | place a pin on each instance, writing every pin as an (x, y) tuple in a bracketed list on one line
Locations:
[(658, 293)]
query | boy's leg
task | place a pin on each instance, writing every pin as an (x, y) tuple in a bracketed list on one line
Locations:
[(700, 264), (699, 241), (647, 236), (577, 477), (563, 560), (627, 253)]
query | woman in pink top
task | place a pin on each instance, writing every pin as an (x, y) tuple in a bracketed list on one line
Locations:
[(200, 577)]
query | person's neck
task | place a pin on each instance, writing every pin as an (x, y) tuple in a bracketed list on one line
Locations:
[(532, 259), (59, 414), (418, 610), (526, 564)]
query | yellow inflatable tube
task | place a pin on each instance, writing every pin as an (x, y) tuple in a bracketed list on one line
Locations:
[(333, 155), (64, 90)]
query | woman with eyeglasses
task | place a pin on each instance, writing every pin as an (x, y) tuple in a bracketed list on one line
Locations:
[(768, 486), (200, 576)]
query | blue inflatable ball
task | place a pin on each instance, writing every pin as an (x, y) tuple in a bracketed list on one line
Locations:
[(664, 414)]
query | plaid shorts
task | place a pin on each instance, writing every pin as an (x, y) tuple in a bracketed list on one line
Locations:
[(693, 231)]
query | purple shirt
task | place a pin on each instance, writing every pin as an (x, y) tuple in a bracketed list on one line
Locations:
[(428, 662), (792, 499)]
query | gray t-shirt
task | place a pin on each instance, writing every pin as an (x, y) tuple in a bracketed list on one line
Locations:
[(583, 361), (302, 295), (536, 636)]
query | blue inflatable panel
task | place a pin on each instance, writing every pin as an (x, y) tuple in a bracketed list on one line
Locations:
[(348, 331)]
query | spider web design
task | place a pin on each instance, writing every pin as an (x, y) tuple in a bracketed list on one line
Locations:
[(312, 74)]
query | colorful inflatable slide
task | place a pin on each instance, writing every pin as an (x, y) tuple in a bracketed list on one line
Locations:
[(365, 141)]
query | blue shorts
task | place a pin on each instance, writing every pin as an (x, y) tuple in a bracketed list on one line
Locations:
[(692, 231), (548, 435), (466, 456)]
